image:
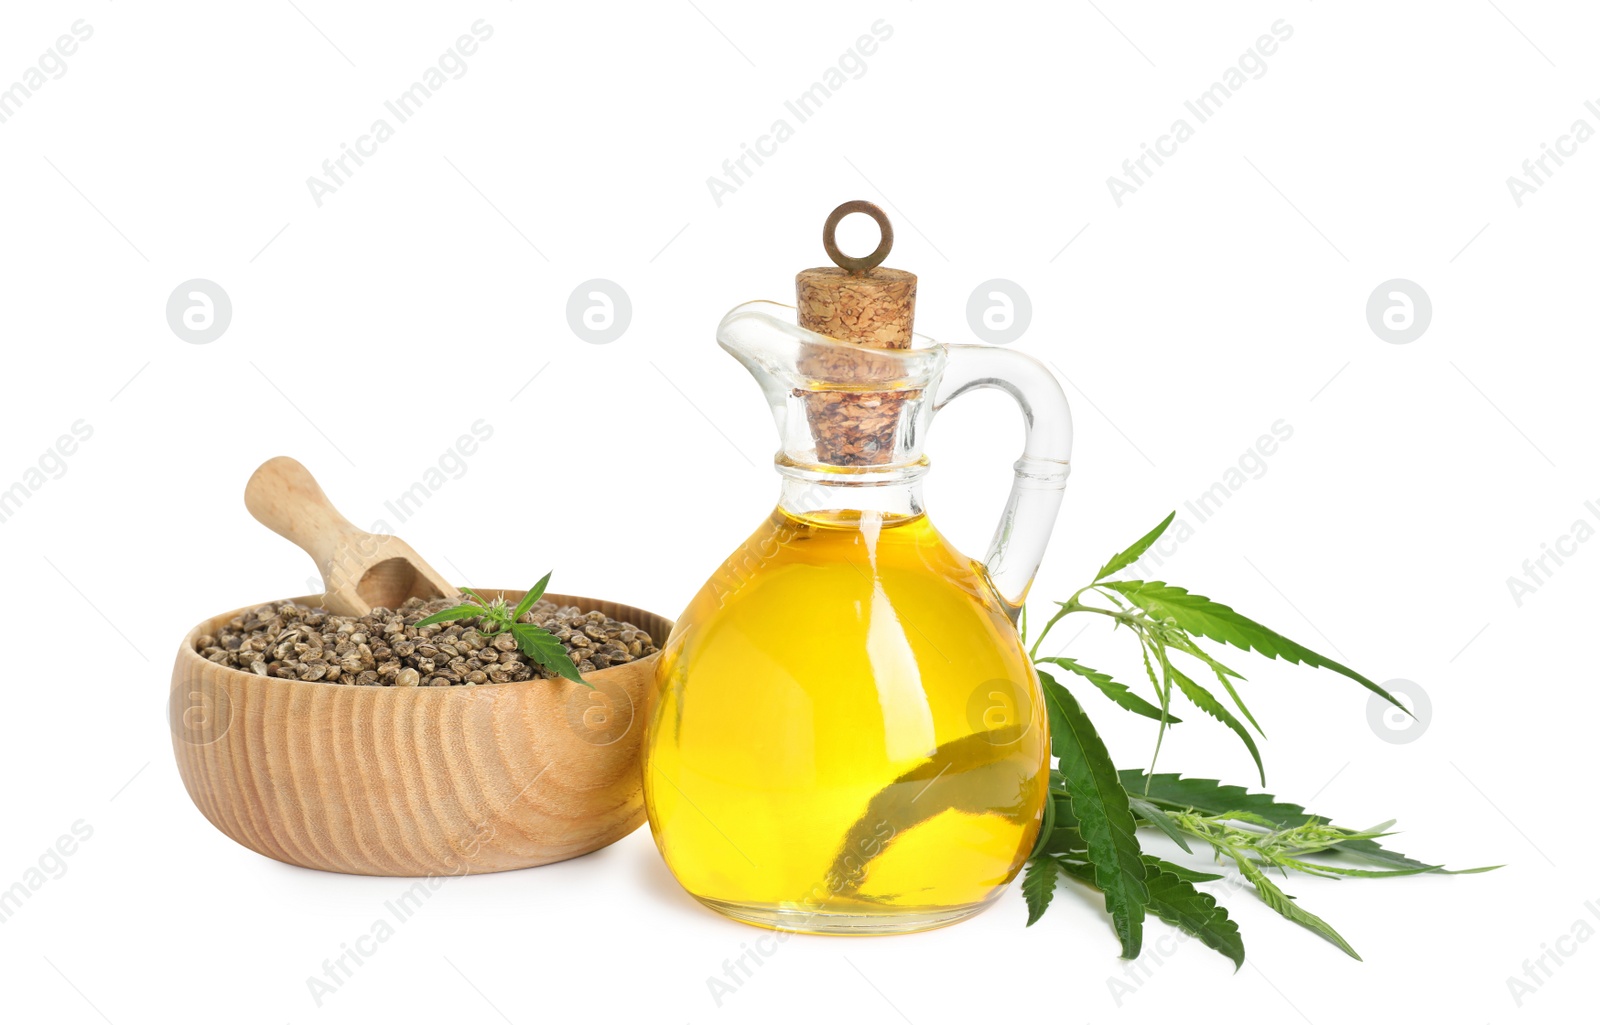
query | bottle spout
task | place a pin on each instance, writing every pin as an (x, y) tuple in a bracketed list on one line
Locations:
[(835, 404), (764, 339)]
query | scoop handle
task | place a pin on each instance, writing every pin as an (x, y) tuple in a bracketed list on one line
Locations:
[(287, 500)]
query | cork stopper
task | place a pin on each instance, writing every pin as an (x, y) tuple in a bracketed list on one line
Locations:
[(858, 301), (862, 304)]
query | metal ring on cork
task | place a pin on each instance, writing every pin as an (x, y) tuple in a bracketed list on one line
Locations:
[(858, 264)]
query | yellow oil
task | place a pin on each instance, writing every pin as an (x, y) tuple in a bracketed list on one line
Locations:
[(847, 735)]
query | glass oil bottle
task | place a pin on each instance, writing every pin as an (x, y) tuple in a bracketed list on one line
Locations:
[(847, 735)]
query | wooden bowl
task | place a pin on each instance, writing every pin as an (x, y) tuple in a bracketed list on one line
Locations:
[(415, 781)]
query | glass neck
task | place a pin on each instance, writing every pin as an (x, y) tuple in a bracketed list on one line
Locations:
[(893, 492)]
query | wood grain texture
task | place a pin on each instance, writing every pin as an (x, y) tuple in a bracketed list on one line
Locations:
[(414, 781)]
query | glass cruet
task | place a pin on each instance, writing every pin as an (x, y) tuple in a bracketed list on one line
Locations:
[(847, 735)]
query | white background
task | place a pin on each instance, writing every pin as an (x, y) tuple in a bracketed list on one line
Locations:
[(1225, 294)]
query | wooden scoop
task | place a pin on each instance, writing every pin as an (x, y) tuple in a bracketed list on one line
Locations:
[(359, 570)]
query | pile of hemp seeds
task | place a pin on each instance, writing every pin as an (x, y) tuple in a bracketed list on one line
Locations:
[(385, 648)]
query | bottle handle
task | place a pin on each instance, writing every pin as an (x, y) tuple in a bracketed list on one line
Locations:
[(1030, 513)]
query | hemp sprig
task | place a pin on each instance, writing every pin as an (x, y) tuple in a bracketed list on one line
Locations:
[(498, 616), (1094, 811)]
